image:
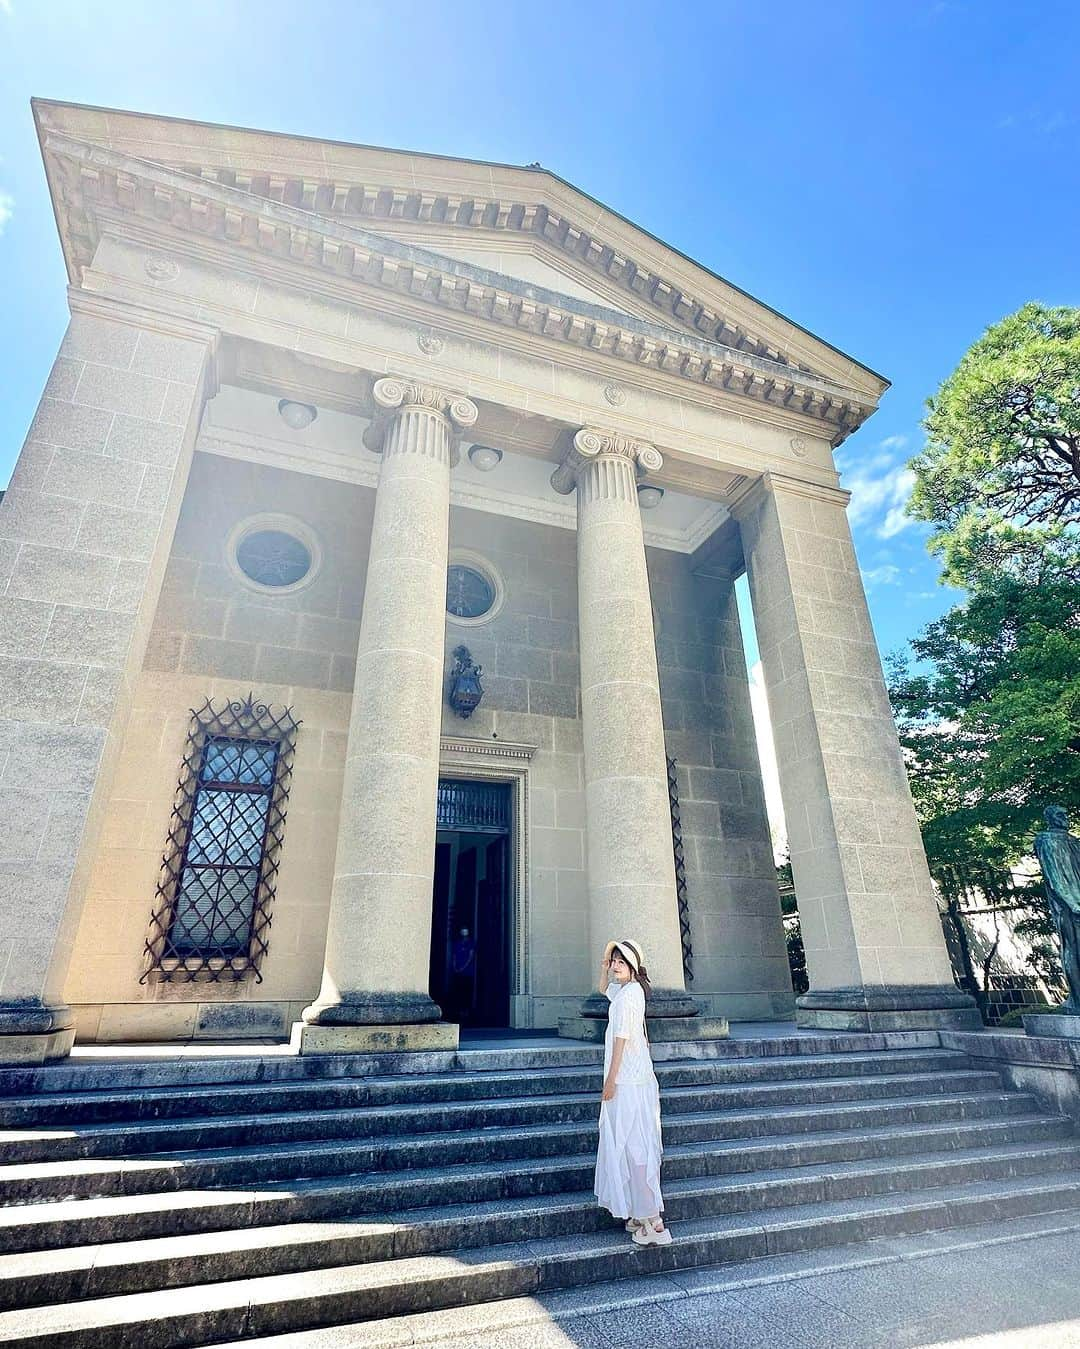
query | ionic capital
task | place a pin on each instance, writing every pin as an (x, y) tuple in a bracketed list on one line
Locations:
[(393, 395), (590, 444)]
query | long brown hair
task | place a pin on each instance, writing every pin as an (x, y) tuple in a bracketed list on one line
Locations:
[(641, 974)]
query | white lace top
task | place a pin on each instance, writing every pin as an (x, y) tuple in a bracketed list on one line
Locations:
[(626, 1020)]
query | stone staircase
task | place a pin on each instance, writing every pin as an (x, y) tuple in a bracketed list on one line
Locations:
[(193, 1202)]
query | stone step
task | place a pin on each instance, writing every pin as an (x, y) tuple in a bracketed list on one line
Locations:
[(570, 1316), (98, 1221), (38, 1277), (738, 1142), (103, 1140), (169, 1068), (277, 1304), (163, 1101), (138, 1213)]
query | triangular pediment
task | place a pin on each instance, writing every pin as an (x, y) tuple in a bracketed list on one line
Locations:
[(530, 262), (532, 225)]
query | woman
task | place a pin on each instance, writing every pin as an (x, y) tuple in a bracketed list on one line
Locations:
[(628, 1158)]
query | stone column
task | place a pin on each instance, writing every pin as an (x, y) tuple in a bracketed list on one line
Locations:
[(85, 532), (874, 945), (629, 860), (375, 984)]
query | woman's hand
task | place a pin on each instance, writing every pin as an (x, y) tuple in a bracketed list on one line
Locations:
[(608, 1094)]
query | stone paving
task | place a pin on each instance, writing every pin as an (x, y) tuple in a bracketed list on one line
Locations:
[(1016, 1294)]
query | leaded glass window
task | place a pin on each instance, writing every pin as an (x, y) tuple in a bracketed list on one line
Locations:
[(213, 915), (215, 902)]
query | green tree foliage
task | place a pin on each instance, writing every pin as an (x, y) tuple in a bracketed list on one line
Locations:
[(989, 711), (1001, 467)]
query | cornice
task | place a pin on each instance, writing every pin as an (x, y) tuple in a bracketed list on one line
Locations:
[(487, 749), (496, 216), (139, 316), (89, 180), (772, 482), (419, 191)]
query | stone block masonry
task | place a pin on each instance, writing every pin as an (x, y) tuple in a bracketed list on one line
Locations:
[(85, 531), (740, 959)]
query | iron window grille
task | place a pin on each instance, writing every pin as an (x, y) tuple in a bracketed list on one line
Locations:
[(480, 807), (211, 920), (680, 871)]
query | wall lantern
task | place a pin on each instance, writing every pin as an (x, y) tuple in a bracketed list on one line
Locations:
[(296, 416), (649, 497), (465, 687), (484, 457)]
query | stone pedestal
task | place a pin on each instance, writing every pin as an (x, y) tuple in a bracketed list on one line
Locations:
[(379, 936), (431, 1035), (903, 1007), (875, 951), (630, 864), (1062, 1024)]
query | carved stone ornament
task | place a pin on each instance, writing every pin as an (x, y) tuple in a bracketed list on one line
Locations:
[(430, 343), (798, 447), (392, 394), (590, 444), (160, 268), (615, 395)]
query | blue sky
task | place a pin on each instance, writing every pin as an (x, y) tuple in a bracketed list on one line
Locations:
[(893, 177)]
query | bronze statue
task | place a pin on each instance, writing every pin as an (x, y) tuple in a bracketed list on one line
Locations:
[(1058, 852)]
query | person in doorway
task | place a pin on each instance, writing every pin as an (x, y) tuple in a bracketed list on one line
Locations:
[(628, 1157), (463, 971)]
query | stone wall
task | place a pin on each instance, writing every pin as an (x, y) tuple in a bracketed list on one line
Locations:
[(84, 530), (213, 634), (531, 695), (740, 959), (210, 621)]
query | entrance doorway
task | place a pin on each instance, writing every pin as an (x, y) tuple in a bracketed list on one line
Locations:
[(470, 928)]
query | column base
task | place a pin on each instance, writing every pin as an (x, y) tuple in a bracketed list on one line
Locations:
[(394, 1039), (373, 1009), (877, 1007), (662, 1002), (33, 1050), (32, 1031), (661, 1029)]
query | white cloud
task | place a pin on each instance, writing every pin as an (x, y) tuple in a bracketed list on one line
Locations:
[(7, 202), (6, 8), (880, 484), (885, 575), (770, 774)]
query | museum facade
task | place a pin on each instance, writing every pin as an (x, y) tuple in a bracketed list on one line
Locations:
[(368, 632)]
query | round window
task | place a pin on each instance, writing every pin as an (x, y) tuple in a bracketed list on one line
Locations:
[(270, 557), (469, 593)]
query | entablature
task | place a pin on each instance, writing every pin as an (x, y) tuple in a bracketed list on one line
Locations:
[(98, 190)]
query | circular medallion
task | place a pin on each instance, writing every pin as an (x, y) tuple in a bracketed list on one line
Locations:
[(430, 343), (159, 268), (615, 396)]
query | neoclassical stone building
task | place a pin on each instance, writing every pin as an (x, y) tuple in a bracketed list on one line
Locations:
[(324, 416)]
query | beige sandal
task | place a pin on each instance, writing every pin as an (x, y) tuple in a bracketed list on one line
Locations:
[(648, 1235), (634, 1224)]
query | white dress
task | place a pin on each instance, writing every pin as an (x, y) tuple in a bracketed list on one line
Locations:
[(628, 1158)]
